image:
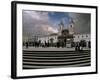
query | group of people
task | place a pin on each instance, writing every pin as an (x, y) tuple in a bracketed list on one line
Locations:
[(78, 45), (45, 44)]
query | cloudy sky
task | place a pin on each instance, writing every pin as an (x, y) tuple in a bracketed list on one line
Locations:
[(41, 22)]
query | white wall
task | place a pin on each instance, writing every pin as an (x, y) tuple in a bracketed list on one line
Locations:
[(79, 37), (5, 40), (46, 38)]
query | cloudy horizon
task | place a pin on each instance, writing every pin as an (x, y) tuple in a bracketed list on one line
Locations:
[(41, 22)]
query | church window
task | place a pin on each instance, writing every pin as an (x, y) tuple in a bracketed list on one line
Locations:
[(70, 25)]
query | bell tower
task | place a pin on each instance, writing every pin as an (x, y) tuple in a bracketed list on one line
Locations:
[(71, 26), (61, 27)]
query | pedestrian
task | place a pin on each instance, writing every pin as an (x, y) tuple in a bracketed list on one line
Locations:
[(26, 44)]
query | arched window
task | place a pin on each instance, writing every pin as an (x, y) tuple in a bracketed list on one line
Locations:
[(71, 25)]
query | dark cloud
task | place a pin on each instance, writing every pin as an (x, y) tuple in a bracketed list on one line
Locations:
[(38, 23), (81, 22)]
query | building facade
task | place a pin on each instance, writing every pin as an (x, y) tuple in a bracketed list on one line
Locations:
[(64, 38), (85, 38), (67, 37)]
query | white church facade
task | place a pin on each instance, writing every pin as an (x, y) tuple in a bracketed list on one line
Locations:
[(66, 36)]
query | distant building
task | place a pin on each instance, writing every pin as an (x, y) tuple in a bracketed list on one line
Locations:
[(83, 37)]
